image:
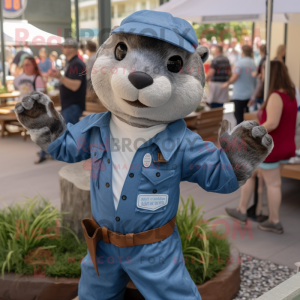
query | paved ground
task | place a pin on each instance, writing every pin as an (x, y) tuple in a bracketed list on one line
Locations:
[(20, 177)]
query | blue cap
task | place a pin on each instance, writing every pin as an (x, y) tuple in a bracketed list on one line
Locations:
[(162, 26)]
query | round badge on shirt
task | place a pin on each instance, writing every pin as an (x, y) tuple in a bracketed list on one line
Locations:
[(147, 160)]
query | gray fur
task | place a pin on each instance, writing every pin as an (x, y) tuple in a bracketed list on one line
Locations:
[(247, 150), (37, 114), (172, 95)]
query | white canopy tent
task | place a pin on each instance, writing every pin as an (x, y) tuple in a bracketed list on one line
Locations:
[(20, 31), (219, 11), (7, 39), (17, 32)]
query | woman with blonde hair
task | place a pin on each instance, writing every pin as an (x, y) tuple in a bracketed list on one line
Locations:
[(280, 54), (278, 116)]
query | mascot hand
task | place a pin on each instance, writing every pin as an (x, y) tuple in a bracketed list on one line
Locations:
[(37, 114), (246, 146)]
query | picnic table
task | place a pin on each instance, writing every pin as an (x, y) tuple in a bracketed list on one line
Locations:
[(5, 96), (8, 117)]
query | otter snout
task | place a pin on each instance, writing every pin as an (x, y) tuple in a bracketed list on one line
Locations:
[(140, 80)]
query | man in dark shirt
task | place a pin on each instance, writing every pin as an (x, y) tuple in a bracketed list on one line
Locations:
[(218, 73), (72, 84)]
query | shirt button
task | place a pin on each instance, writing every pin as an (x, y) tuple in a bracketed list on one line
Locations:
[(107, 184), (154, 191), (131, 175), (157, 174), (118, 219), (95, 153), (108, 160), (124, 197)]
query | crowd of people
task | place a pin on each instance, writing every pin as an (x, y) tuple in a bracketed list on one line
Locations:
[(69, 72), (278, 114)]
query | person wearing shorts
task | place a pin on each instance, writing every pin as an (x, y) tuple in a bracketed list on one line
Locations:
[(278, 116)]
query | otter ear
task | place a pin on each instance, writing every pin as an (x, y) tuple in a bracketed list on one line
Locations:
[(203, 52)]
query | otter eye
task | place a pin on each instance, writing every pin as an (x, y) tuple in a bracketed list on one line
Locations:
[(174, 64), (120, 51)]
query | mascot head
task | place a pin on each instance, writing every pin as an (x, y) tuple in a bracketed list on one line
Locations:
[(150, 69)]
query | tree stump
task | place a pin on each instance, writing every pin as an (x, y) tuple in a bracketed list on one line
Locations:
[(74, 180)]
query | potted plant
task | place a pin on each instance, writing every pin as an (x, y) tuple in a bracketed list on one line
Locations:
[(37, 259)]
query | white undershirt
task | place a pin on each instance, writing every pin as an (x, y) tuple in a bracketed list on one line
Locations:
[(122, 134)]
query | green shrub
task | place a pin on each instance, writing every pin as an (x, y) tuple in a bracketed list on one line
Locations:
[(205, 254), (26, 228)]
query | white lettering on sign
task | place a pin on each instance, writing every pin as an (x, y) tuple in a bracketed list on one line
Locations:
[(152, 202)]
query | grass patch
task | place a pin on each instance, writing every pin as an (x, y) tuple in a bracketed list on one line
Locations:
[(205, 254)]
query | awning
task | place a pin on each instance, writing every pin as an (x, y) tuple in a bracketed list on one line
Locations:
[(18, 32), (216, 11)]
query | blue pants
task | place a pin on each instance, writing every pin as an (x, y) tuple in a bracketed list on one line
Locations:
[(216, 105), (72, 114), (157, 270)]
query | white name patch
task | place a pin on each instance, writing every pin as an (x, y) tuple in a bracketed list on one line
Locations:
[(152, 202)]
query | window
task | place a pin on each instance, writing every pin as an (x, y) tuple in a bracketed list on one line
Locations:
[(121, 10), (92, 14), (112, 11), (85, 15)]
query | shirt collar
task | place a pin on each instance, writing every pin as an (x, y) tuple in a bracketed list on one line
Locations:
[(75, 56), (99, 120), (168, 140)]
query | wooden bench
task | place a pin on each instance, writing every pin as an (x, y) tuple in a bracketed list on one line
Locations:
[(291, 171), (206, 123), (209, 123), (93, 107)]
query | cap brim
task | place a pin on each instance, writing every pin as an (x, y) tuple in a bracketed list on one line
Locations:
[(156, 32)]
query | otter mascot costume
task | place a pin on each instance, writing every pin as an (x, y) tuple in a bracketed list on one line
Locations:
[(149, 75)]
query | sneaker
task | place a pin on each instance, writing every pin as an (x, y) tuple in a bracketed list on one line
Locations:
[(40, 160), (270, 226), (236, 214)]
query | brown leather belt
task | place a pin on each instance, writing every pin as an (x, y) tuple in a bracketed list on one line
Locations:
[(93, 233)]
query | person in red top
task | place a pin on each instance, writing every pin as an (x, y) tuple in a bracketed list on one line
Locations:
[(278, 115)]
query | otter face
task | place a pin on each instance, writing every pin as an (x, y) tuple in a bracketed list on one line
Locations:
[(146, 81)]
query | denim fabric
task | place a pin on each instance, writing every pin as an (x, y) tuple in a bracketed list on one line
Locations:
[(188, 158)]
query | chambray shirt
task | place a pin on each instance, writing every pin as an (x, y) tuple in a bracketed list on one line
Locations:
[(187, 156)]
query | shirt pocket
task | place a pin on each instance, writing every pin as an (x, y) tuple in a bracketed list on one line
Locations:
[(97, 165), (155, 185)]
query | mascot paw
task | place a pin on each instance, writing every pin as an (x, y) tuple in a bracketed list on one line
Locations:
[(246, 146), (37, 114)]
